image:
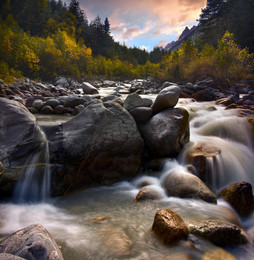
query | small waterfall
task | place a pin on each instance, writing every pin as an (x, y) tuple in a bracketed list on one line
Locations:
[(34, 186), (232, 135)]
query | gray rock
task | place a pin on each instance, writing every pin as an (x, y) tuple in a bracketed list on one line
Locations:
[(100, 145), (167, 98), (32, 242), (89, 89), (41, 86), (167, 84), (30, 100), (147, 102), (68, 110), (38, 103), (218, 232), (34, 110), (5, 256), (132, 101), (189, 86), (169, 227), (166, 133), (63, 82), (78, 109), (112, 98), (59, 110), (52, 103), (47, 110), (19, 138), (141, 114), (73, 101), (179, 183)]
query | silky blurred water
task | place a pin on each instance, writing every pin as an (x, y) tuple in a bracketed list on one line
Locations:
[(107, 222)]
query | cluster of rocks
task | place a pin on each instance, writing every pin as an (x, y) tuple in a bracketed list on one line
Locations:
[(103, 144), (210, 90)]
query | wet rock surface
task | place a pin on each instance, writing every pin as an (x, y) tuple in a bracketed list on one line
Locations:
[(100, 145), (32, 242), (148, 193), (182, 184), (166, 133), (169, 227), (240, 196), (218, 232)]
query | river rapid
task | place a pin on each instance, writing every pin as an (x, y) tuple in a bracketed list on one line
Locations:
[(107, 222)]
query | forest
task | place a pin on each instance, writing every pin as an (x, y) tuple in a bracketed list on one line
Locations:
[(41, 39)]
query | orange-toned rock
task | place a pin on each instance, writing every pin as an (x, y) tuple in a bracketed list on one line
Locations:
[(169, 227)]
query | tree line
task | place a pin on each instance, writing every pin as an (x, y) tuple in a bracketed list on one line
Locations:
[(41, 39), (234, 16)]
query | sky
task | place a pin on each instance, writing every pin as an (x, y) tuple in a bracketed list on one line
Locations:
[(145, 23)]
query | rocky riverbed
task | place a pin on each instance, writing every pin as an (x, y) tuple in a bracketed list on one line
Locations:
[(115, 137)]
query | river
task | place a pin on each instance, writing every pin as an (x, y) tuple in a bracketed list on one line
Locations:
[(107, 222)]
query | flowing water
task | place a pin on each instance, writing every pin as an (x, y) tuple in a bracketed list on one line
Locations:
[(34, 186), (107, 222)]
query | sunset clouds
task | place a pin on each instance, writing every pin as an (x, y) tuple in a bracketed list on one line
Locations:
[(145, 22)]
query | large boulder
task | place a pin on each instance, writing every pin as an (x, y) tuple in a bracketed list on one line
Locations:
[(166, 133), (32, 242), (101, 145), (167, 98), (89, 89), (240, 196), (218, 232), (169, 227), (20, 138), (179, 183)]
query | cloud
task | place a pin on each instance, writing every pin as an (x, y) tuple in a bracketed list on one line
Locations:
[(143, 47), (147, 18), (162, 43)]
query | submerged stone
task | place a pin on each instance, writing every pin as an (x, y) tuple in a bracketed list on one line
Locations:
[(116, 241), (218, 254)]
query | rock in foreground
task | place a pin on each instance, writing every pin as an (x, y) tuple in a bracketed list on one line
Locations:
[(32, 242), (169, 227), (218, 232)]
